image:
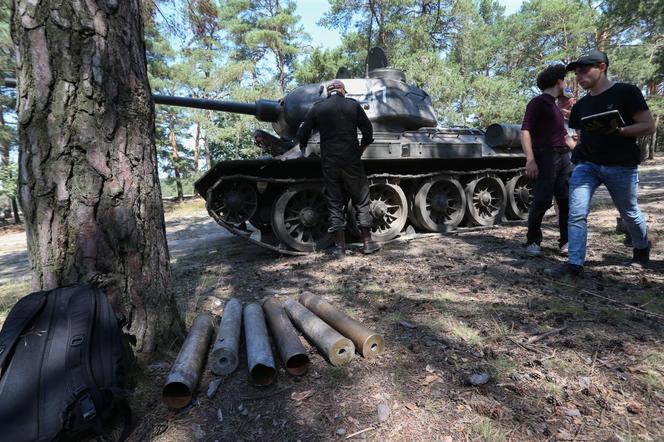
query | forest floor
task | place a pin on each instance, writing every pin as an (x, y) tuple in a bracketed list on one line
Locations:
[(575, 360)]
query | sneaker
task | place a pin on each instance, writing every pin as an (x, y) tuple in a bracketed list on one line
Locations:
[(563, 249), (533, 249), (565, 271)]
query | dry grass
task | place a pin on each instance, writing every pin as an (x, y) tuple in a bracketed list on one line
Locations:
[(10, 293)]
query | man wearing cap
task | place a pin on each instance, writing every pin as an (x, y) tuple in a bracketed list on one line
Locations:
[(337, 120), (605, 155), (546, 145)]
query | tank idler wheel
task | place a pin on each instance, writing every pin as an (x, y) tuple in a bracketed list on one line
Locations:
[(299, 218), (234, 201), (486, 200), (439, 204), (389, 211), (519, 196)]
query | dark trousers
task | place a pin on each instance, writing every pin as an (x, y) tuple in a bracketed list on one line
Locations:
[(552, 181), (342, 182)]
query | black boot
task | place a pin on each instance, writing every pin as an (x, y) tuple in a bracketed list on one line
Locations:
[(339, 244), (641, 257), (369, 245)]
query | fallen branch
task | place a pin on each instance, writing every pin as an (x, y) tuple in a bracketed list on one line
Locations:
[(357, 433), (622, 304), (541, 336), (534, 350)]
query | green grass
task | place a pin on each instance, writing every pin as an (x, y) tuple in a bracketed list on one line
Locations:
[(10, 293), (374, 290), (552, 388), (169, 187), (562, 308), (501, 368), (654, 380), (189, 207), (464, 332), (652, 377), (485, 430), (651, 301)]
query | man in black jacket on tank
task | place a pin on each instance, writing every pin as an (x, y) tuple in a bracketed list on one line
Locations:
[(337, 119)]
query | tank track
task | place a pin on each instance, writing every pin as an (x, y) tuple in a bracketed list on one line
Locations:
[(431, 202)]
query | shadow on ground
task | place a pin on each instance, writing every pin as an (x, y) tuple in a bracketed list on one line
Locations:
[(564, 361)]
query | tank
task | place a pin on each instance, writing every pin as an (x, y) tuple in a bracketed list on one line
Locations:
[(421, 175)]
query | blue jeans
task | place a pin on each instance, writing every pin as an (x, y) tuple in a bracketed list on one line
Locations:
[(621, 182)]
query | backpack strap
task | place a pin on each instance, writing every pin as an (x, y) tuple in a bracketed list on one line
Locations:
[(84, 392), (19, 317)]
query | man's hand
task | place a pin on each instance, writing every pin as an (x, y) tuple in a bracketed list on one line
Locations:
[(531, 169)]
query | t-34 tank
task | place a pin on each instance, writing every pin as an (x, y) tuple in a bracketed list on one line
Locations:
[(433, 178)]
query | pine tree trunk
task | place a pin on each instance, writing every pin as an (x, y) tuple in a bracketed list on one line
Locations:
[(176, 157), (206, 146), (88, 182), (197, 139), (653, 141), (17, 218)]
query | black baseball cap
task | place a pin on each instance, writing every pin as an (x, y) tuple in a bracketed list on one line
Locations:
[(588, 59)]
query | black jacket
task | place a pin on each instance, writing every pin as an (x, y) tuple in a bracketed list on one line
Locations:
[(337, 120)]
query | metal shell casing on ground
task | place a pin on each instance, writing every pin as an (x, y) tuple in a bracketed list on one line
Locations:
[(225, 349), (337, 349), (293, 353), (367, 342), (259, 351), (183, 378)]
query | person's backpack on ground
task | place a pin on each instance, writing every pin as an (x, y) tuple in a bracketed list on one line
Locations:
[(61, 366)]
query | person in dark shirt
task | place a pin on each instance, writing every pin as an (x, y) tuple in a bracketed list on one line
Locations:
[(337, 120), (609, 156), (545, 142)]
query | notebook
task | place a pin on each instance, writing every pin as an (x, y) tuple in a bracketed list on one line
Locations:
[(603, 123)]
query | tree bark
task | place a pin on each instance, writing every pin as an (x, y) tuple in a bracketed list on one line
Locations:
[(206, 147), (17, 218), (176, 157), (88, 182), (197, 139), (653, 141)]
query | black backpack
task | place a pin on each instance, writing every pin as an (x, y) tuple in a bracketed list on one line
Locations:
[(61, 366)]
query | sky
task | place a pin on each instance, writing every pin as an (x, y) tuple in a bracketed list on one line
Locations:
[(312, 10)]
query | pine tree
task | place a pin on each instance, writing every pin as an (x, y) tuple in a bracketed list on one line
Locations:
[(88, 170)]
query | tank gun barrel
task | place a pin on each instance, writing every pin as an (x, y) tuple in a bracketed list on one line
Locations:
[(263, 110)]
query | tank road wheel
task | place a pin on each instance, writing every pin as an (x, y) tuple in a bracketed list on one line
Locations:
[(519, 196), (299, 218), (486, 199), (389, 211), (439, 204), (234, 201)]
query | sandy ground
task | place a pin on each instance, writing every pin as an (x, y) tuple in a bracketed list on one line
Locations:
[(575, 360)]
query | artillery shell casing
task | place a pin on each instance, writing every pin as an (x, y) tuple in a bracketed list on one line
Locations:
[(337, 349), (183, 378), (366, 341), (293, 354), (225, 350), (259, 351)]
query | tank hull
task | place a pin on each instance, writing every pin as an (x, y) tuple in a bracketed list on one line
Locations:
[(434, 180)]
